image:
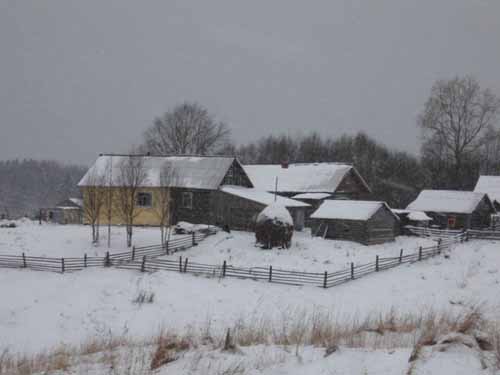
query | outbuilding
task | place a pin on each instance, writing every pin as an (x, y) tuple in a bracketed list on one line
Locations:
[(366, 222), (413, 218), (451, 209)]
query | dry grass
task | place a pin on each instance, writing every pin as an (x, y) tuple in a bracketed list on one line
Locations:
[(122, 355), (168, 346)]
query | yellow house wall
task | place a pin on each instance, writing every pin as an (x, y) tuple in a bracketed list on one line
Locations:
[(145, 215)]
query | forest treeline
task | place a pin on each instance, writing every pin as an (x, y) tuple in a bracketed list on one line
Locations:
[(26, 185)]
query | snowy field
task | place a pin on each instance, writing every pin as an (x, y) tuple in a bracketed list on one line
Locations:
[(53, 240), (42, 310), (237, 248)]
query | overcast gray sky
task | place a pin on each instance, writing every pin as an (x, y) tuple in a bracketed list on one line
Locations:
[(82, 77)]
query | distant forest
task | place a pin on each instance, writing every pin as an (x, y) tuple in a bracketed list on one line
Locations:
[(27, 185)]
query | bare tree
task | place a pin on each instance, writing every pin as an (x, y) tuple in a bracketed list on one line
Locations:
[(109, 195), (164, 205), (94, 196), (131, 176), (187, 129), (457, 118)]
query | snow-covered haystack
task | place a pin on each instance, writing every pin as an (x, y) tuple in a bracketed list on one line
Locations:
[(274, 227)]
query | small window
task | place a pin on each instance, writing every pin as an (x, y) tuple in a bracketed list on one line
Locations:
[(452, 221), (187, 200), (144, 199)]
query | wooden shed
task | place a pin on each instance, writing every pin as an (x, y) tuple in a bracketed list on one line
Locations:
[(366, 222), (451, 209), (238, 207), (413, 218)]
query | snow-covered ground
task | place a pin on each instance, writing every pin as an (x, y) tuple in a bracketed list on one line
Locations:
[(53, 240), (307, 253), (237, 248), (41, 310)]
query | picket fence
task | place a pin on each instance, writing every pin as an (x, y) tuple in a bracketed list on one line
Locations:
[(145, 259)]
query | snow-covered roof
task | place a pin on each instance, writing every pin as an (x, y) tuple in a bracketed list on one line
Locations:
[(312, 196), (77, 201), (260, 196), (418, 216), (452, 201), (196, 172), (348, 210), (300, 178), (412, 215), (489, 185)]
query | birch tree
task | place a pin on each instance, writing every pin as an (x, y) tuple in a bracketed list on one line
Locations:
[(94, 196), (164, 204), (131, 175)]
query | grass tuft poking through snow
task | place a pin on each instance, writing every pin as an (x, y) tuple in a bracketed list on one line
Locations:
[(295, 334)]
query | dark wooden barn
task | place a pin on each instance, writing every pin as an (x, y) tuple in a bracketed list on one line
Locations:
[(366, 222), (451, 209)]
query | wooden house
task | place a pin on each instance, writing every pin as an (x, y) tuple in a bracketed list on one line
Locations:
[(311, 183), (490, 185), (202, 190), (451, 209), (366, 222)]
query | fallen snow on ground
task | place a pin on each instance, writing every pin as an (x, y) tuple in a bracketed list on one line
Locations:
[(307, 253), (53, 240), (39, 310)]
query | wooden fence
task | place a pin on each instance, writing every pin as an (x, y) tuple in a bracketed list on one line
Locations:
[(144, 259), (77, 264)]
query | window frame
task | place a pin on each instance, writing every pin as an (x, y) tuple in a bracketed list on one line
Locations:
[(143, 194), (183, 200)]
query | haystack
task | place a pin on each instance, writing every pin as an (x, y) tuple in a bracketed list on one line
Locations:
[(274, 227)]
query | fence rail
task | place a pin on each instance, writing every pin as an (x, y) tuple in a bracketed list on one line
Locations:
[(145, 259)]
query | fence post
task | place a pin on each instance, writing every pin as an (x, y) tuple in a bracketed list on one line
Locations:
[(143, 265), (467, 235), (270, 273), (133, 252), (401, 256), (62, 265), (108, 261), (24, 261), (325, 279), (376, 263), (439, 246), (224, 269), (352, 271), (85, 260), (194, 240), (166, 247), (180, 263), (420, 253), (185, 265)]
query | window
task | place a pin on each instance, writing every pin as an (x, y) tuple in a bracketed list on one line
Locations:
[(144, 199), (452, 220), (187, 200)]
